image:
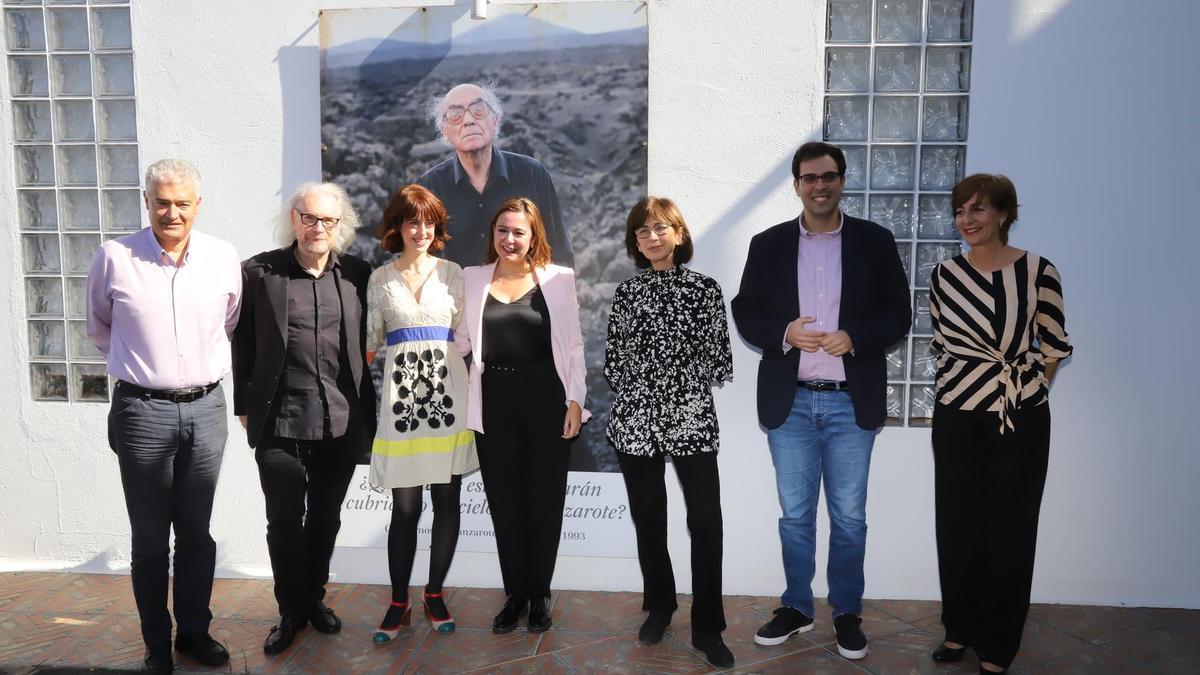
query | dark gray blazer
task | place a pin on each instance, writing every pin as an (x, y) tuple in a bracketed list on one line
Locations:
[(260, 340)]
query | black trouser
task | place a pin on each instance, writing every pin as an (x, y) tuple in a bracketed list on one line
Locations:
[(988, 492), (523, 461), (295, 474), (170, 458), (645, 482)]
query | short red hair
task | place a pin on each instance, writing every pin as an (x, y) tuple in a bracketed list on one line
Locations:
[(409, 202)]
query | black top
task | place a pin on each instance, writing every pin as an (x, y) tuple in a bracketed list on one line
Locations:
[(311, 406), (668, 344), (470, 212), (517, 332)]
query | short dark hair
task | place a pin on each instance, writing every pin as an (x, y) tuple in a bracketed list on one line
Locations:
[(412, 201), (664, 211), (539, 248), (815, 149), (996, 189)]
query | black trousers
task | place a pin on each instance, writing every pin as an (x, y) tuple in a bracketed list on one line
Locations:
[(646, 484), (170, 457), (523, 462), (304, 483), (988, 494)]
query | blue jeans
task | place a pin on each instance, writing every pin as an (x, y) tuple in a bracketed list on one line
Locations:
[(820, 440)]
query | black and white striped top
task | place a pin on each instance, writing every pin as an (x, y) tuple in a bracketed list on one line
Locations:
[(994, 332)]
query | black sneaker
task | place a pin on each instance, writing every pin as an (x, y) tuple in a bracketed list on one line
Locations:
[(787, 622), (852, 644)]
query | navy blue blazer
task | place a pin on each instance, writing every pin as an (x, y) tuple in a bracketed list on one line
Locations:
[(875, 312)]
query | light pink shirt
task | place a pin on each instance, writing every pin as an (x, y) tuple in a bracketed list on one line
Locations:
[(162, 326), (819, 279)]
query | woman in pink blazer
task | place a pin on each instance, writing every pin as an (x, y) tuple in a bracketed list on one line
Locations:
[(526, 393)]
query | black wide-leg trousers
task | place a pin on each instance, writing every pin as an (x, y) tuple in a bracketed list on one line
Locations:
[(988, 494), (645, 482), (523, 461), (304, 484)]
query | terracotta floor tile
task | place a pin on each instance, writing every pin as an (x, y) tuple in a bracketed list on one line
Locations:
[(908, 610), (89, 594), (1168, 645), (558, 640), (475, 607), (598, 612), (546, 664), (626, 655), (812, 661), (30, 639), (22, 591), (471, 649), (1085, 622), (908, 652), (113, 642)]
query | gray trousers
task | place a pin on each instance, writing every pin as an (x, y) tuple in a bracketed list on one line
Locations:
[(170, 458)]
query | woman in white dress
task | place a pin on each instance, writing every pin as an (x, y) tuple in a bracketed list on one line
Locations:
[(413, 307)]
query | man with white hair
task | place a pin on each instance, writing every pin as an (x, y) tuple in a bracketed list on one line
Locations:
[(161, 305), (303, 392), (478, 177)]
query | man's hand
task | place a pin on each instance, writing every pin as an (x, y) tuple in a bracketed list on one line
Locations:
[(798, 336), (837, 343), (242, 419)]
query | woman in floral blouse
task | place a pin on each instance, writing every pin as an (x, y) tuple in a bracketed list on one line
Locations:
[(668, 343)]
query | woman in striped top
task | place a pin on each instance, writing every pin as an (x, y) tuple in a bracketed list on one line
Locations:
[(999, 328)]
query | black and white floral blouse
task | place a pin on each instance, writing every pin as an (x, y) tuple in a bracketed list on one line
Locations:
[(668, 344)]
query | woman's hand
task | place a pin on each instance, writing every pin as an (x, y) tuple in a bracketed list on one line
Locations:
[(573, 420)]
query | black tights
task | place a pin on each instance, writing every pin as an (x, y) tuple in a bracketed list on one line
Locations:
[(402, 535)]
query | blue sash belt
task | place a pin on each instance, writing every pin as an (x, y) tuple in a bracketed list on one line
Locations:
[(419, 333)]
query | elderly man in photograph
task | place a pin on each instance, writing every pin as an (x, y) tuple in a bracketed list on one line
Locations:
[(161, 305), (303, 392), (823, 296), (478, 177)]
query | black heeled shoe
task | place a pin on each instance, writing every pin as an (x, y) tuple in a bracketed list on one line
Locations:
[(510, 614), (944, 654), (539, 614)]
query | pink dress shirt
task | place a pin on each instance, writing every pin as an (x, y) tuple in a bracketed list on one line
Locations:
[(162, 326), (819, 278)]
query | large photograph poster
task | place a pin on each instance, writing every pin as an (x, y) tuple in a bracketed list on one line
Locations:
[(571, 80)]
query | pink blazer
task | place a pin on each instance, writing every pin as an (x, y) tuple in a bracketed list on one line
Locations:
[(566, 340)]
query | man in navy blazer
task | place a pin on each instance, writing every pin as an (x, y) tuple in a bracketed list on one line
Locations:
[(823, 297)]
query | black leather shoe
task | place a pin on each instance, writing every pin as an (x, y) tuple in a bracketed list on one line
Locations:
[(539, 614), (324, 620), (944, 654), (510, 614), (282, 636), (715, 651), (203, 648), (158, 659), (653, 628)]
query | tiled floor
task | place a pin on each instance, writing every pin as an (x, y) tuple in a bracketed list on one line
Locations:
[(55, 622)]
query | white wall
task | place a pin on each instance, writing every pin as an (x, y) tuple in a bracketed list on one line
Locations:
[(1084, 104)]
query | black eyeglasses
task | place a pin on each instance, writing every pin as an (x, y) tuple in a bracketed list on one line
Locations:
[(310, 221), (827, 178), (478, 108)]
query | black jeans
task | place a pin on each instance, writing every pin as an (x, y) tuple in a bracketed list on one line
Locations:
[(170, 458), (645, 481), (523, 462), (304, 483), (988, 494)]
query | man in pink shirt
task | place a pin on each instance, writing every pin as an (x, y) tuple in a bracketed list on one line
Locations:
[(161, 305), (823, 297)]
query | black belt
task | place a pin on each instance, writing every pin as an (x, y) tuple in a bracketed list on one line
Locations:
[(185, 395), (823, 385)]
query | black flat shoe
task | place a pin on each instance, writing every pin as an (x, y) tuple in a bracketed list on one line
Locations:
[(539, 614), (158, 659), (944, 654), (324, 620), (510, 614), (203, 648), (654, 627), (715, 651), (282, 636)]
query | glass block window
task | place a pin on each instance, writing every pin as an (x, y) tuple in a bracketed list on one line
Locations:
[(76, 176), (897, 89)]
